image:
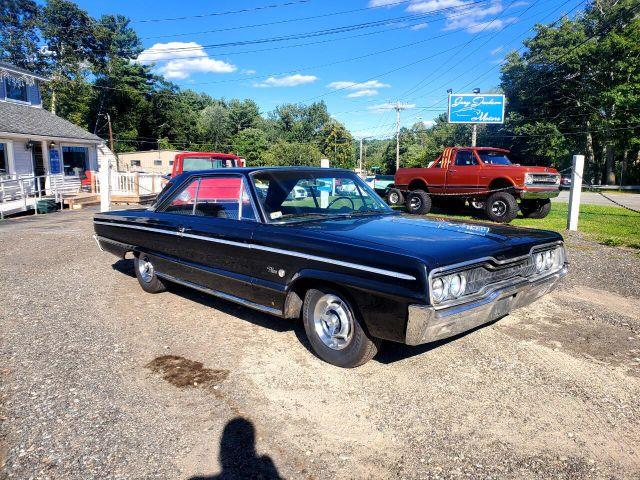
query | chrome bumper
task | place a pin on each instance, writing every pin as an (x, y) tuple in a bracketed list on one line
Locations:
[(541, 194), (426, 324)]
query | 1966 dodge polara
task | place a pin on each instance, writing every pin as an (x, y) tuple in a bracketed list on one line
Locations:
[(356, 271)]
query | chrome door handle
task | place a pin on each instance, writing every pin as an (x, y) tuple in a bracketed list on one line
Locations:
[(452, 171), (182, 229)]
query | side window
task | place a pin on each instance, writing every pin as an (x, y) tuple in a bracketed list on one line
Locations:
[(465, 158), (184, 201), (224, 197)]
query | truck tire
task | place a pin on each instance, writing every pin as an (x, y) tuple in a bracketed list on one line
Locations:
[(418, 202), (535, 208), (501, 207), (395, 197)]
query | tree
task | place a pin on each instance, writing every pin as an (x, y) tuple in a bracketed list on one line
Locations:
[(243, 114), (292, 153), (19, 39), (336, 144), (215, 126), (250, 143)]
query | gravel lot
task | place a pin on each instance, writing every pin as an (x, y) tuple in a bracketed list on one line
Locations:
[(97, 380)]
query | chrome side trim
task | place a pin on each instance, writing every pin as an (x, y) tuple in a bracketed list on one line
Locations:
[(224, 296), (356, 266), (427, 324)]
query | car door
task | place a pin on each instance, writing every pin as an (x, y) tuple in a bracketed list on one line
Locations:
[(462, 174), (213, 246)]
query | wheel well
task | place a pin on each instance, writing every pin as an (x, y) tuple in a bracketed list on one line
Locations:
[(499, 183), (295, 296), (417, 184)]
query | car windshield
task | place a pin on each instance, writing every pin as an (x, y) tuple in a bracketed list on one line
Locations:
[(287, 196), (494, 158)]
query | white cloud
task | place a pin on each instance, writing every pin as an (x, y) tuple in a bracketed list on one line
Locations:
[(383, 107), (345, 85), (367, 92), (429, 123), (497, 50), (466, 15), (419, 26), (287, 81), (248, 71), (178, 60)]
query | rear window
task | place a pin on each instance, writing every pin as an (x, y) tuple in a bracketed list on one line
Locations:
[(191, 164)]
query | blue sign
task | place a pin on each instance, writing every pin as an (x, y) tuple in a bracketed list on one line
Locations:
[(476, 108), (54, 161)]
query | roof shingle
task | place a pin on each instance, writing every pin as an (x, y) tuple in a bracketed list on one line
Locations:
[(26, 120)]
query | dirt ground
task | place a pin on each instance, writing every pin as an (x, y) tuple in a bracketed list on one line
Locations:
[(101, 380)]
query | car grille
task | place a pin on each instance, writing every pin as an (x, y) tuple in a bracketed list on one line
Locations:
[(544, 179), (487, 275)]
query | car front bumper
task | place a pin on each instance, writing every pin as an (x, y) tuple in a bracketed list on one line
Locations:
[(533, 194), (427, 324)]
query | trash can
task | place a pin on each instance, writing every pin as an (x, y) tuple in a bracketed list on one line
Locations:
[(46, 205)]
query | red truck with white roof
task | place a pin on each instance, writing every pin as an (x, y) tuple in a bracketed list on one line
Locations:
[(483, 176), (192, 161)]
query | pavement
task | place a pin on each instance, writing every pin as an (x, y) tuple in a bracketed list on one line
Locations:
[(631, 200), (99, 379)]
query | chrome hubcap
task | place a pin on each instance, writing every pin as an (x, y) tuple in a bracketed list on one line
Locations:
[(333, 322), (145, 268), (499, 208), (393, 198), (415, 202)]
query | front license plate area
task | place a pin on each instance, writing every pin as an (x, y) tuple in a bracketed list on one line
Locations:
[(501, 308)]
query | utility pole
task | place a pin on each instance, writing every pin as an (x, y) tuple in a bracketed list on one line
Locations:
[(361, 138), (397, 108), (474, 135), (111, 141)]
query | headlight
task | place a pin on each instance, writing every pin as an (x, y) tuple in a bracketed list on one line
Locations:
[(549, 260), (448, 287), (557, 179), (528, 178)]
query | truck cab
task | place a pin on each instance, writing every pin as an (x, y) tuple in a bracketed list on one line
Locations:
[(485, 177), (192, 161)]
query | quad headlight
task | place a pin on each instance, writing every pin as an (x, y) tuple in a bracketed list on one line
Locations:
[(548, 260), (448, 287)]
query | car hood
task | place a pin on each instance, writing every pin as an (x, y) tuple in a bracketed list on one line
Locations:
[(435, 241)]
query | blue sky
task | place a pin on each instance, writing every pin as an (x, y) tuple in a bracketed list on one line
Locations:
[(384, 51)]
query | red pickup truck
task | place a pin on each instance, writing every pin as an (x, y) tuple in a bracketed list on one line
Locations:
[(190, 161), (483, 176)]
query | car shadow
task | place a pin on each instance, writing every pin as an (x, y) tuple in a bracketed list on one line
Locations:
[(238, 457), (394, 352), (390, 352)]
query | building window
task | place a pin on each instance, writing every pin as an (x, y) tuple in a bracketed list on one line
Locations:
[(16, 89), (170, 163), (135, 163), (75, 159), (157, 163), (4, 160)]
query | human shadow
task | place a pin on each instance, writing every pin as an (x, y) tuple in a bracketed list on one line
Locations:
[(238, 456)]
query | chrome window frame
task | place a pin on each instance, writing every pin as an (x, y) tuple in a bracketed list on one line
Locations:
[(491, 287)]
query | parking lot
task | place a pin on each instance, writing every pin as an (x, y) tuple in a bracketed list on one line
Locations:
[(101, 380)]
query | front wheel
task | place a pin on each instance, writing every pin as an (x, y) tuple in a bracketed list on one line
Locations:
[(418, 202), (395, 197), (535, 208), (146, 274), (333, 330), (501, 207)]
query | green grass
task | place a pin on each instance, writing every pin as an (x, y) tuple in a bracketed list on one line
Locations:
[(613, 226)]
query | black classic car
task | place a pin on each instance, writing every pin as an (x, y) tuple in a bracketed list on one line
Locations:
[(356, 271)]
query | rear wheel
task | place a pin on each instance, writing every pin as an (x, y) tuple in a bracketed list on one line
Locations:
[(146, 274), (535, 208), (501, 207), (395, 197), (334, 331), (418, 202)]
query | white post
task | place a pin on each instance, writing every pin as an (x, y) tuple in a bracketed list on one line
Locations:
[(576, 191), (105, 184), (324, 163)]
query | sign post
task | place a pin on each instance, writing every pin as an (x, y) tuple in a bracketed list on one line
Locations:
[(576, 192)]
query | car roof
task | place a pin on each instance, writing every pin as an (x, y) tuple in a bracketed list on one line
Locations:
[(248, 170)]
